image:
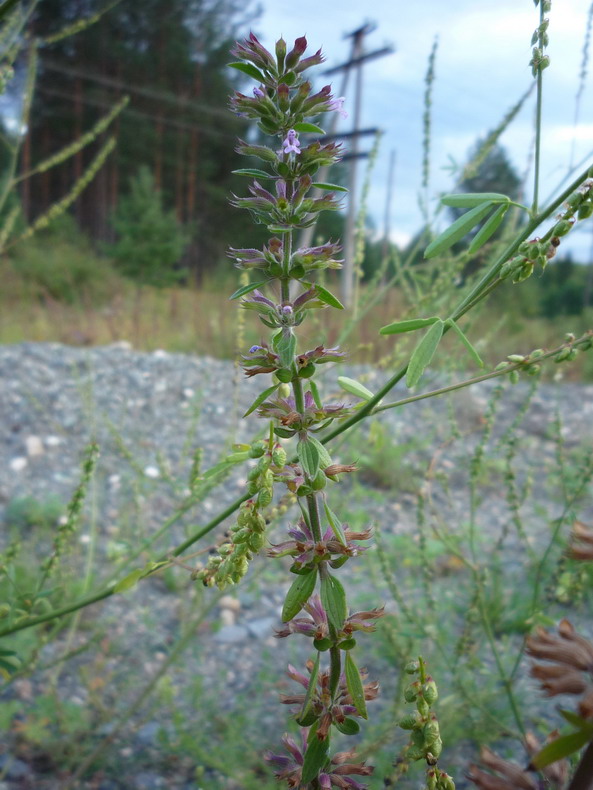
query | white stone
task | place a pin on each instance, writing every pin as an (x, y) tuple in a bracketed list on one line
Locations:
[(160, 354), (227, 617), (188, 392), (53, 441), (18, 464), (228, 602), (152, 471), (34, 446)]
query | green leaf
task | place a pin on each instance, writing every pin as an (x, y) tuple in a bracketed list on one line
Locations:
[(488, 229), (348, 726), (330, 187), (310, 689), (214, 470), (9, 663), (245, 289), (335, 524), (325, 458), (328, 297), (471, 350), (309, 457), (575, 720), (249, 69), (561, 747), (423, 353), (333, 598), (457, 230), (407, 326), (129, 581), (299, 593), (285, 345), (260, 399), (471, 199), (355, 388), (315, 758), (354, 686), (303, 126), (252, 172), (279, 228), (315, 393)]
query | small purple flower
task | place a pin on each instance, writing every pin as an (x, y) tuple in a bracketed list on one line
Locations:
[(258, 93), (337, 106), (253, 349), (290, 144)]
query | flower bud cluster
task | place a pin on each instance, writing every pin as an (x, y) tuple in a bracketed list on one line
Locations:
[(425, 737), (539, 41), (537, 252)]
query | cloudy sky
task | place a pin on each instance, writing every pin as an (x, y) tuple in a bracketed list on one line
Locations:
[(482, 69)]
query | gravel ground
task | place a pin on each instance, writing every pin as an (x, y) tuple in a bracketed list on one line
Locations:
[(148, 412)]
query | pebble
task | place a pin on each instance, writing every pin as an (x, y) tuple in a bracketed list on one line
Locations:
[(34, 446), (262, 627), (18, 464), (231, 634), (228, 602)]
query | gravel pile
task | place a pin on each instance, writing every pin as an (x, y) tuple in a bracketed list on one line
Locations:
[(149, 412)]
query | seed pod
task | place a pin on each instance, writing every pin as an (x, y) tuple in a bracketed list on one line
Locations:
[(524, 272), (279, 456), (264, 463), (415, 753), (412, 667), (422, 706), (431, 732), (253, 487), (562, 228), (436, 747), (320, 481), (430, 692), (256, 541), (256, 450), (410, 721), (514, 376), (241, 536), (445, 782), (516, 358), (562, 355), (410, 694), (264, 497), (585, 210), (575, 200)]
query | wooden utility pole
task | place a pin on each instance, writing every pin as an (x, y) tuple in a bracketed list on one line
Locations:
[(354, 63)]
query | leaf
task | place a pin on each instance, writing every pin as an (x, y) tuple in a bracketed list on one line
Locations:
[(303, 126), (355, 388), (471, 350), (249, 69), (285, 345), (129, 581), (252, 172), (331, 187), (308, 457), (335, 524), (328, 297), (214, 470), (315, 393), (423, 353), (315, 759), (333, 598), (260, 399), (310, 689), (245, 289), (470, 199), (561, 747), (325, 458), (457, 230), (354, 686), (348, 726), (488, 229), (575, 720), (298, 595), (9, 663), (407, 326)]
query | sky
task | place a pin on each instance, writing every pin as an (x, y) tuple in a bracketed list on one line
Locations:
[(482, 69)]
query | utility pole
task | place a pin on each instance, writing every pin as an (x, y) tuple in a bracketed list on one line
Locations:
[(355, 63)]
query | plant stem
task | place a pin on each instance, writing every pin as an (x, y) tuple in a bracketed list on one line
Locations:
[(583, 777), (314, 516), (538, 125)]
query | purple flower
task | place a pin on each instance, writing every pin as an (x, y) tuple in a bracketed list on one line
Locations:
[(336, 105), (305, 549), (335, 774), (258, 93), (290, 144)]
